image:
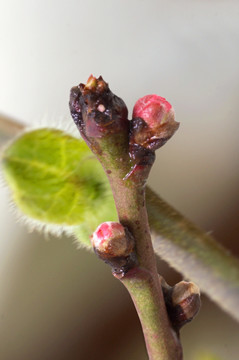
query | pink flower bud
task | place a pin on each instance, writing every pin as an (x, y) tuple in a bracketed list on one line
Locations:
[(154, 110), (112, 240), (153, 122)]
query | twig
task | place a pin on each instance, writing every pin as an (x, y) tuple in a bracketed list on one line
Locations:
[(101, 118)]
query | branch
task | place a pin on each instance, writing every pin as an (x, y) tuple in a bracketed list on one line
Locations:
[(196, 254), (101, 118)]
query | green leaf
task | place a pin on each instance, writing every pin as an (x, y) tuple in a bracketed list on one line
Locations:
[(55, 179)]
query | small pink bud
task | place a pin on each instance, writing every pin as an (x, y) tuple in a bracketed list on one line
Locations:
[(153, 122), (112, 240), (154, 110)]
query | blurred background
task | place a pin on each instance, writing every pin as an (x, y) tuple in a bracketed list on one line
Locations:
[(57, 302)]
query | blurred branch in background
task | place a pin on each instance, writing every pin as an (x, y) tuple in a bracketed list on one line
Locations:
[(9, 128), (195, 254)]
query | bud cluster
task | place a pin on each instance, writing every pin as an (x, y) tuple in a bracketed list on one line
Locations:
[(102, 116), (98, 113)]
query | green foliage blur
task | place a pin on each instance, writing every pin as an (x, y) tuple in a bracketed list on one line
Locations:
[(56, 180)]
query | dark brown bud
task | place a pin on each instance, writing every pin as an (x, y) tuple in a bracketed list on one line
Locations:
[(182, 302), (185, 301), (96, 110)]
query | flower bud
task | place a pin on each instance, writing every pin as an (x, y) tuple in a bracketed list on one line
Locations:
[(111, 239), (153, 123), (114, 244), (153, 109)]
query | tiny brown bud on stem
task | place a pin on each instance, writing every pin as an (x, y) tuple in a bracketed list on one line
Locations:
[(185, 301), (182, 302)]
